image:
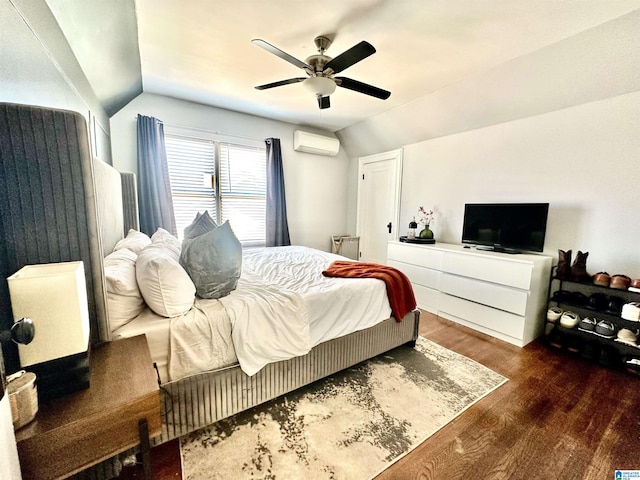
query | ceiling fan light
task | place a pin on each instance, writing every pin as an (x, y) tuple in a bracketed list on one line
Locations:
[(320, 86)]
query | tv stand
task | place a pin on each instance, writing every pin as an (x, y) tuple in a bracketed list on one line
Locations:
[(498, 248), (502, 295)]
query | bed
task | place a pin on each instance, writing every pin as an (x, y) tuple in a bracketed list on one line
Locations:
[(107, 203)]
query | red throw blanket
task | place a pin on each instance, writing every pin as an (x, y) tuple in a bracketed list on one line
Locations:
[(399, 288)]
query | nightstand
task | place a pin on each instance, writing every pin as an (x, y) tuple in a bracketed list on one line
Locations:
[(120, 409)]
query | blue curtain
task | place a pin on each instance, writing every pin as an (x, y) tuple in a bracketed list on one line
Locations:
[(277, 226), (154, 188)]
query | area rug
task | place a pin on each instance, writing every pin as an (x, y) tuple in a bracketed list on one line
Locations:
[(351, 425)]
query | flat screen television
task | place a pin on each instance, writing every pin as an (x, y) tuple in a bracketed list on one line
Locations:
[(507, 227)]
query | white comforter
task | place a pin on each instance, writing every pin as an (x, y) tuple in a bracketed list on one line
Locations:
[(282, 307)]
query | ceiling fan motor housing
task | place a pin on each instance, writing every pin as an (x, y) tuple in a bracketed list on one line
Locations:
[(317, 62)]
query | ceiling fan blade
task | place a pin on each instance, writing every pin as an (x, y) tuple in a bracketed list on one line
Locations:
[(360, 87), (350, 57), (323, 102), (279, 53), (280, 83)]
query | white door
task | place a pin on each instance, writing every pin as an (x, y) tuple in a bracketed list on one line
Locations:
[(378, 204)]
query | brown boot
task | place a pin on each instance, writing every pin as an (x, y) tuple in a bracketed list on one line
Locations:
[(579, 268), (563, 272)]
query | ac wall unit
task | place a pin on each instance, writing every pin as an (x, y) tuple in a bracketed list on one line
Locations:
[(317, 144)]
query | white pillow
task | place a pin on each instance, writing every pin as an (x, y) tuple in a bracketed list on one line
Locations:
[(165, 285), (167, 240), (134, 241), (124, 299)]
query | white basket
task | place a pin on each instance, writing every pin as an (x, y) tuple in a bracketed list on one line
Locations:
[(346, 245), (23, 397)]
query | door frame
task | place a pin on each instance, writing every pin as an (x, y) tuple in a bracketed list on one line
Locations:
[(397, 156)]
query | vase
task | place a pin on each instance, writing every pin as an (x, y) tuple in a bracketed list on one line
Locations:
[(426, 233)]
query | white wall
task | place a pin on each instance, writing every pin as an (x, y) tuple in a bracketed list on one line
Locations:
[(316, 186), (559, 125), (37, 67)]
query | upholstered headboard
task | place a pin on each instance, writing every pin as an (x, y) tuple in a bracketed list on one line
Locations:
[(57, 204)]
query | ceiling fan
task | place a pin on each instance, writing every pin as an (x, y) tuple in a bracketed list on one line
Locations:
[(320, 70)]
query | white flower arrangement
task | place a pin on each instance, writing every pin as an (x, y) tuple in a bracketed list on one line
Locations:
[(425, 217)]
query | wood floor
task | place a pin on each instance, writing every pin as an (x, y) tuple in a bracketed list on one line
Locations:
[(558, 417)]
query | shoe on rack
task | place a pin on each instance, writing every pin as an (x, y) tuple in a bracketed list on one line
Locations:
[(632, 365), (620, 282), (569, 319), (631, 311), (563, 271), (573, 298), (579, 268), (555, 339), (628, 337), (574, 344), (609, 357), (614, 307), (597, 301), (588, 324), (602, 279), (606, 329), (553, 314), (590, 351), (562, 296)]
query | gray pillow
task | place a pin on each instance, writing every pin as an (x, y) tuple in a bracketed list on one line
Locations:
[(203, 223), (213, 260)]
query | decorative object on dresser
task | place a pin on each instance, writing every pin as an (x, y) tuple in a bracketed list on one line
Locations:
[(351, 425), (54, 296), (413, 226), (426, 218), (498, 294)]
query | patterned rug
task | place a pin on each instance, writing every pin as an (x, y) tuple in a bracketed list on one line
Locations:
[(352, 425)]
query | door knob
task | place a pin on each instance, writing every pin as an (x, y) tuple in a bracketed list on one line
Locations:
[(389, 227)]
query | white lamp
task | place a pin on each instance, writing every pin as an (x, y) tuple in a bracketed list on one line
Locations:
[(320, 86), (54, 296)]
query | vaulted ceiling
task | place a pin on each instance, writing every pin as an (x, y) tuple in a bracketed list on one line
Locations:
[(201, 50)]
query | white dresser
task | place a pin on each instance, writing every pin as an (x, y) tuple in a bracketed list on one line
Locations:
[(500, 294)]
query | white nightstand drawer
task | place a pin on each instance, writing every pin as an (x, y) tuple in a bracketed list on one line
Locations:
[(491, 294), (490, 269)]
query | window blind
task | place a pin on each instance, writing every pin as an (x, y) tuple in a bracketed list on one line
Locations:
[(227, 179)]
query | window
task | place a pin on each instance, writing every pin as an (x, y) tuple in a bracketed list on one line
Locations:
[(227, 179)]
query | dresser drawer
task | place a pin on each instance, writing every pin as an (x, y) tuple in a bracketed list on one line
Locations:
[(415, 255), (491, 294), (418, 275), (427, 298), (497, 320), (490, 269)]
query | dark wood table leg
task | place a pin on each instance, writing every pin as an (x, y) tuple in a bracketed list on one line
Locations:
[(145, 447)]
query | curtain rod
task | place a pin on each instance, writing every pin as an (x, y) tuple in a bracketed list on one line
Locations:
[(204, 130)]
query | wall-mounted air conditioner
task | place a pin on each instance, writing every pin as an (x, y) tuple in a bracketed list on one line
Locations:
[(313, 143)]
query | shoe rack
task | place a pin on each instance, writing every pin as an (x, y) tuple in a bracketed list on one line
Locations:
[(598, 303)]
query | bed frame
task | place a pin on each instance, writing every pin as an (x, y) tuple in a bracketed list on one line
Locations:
[(107, 206)]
